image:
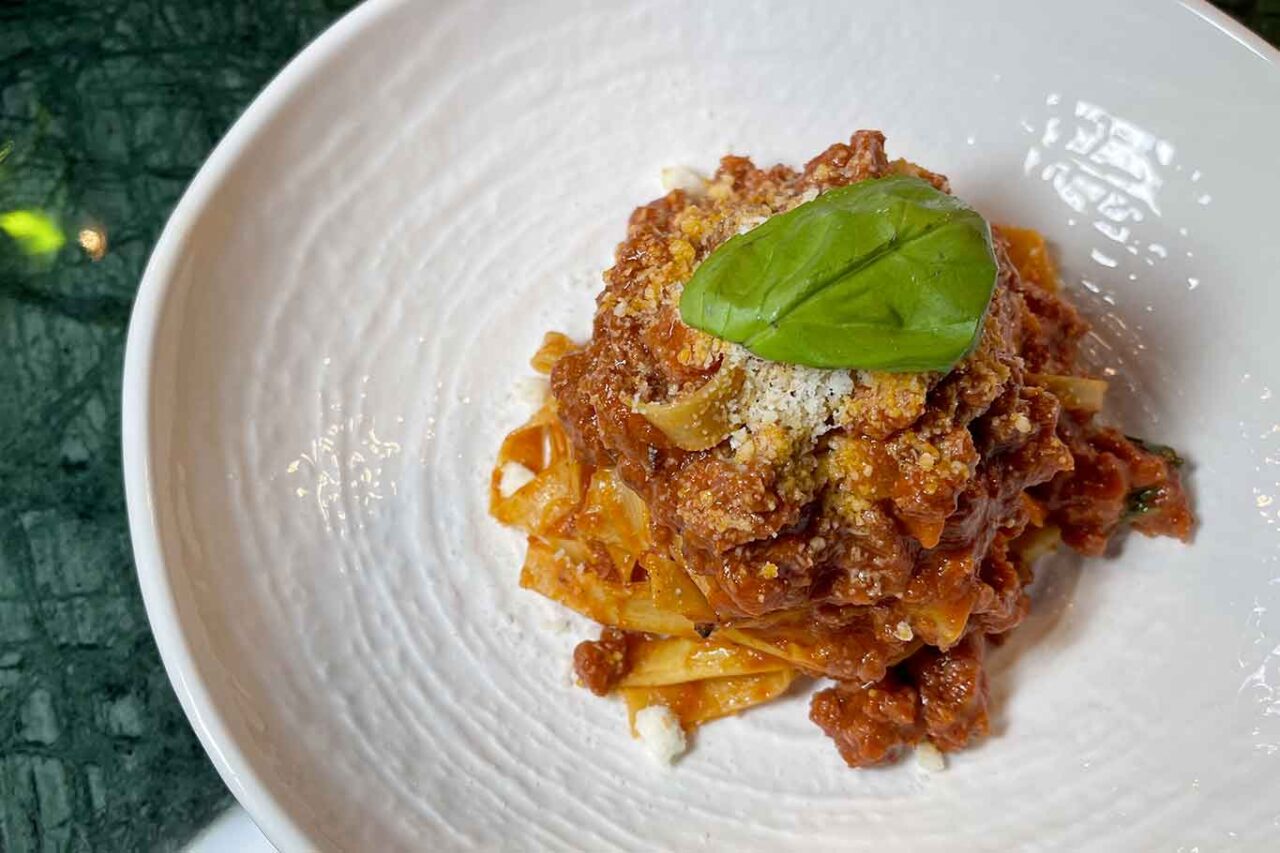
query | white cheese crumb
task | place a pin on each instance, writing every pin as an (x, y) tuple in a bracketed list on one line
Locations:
[(512, 478), (750, 223), (1022, 424), (926, 461), (903, 632), (801, 400), (532, 391), (557, 626), (660, 733), (929, 758), (684, 178)]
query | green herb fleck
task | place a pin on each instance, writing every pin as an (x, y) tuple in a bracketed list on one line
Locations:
[(1164, 451), (1139, 502)]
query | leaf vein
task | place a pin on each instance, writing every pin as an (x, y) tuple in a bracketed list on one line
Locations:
[(891, 247)]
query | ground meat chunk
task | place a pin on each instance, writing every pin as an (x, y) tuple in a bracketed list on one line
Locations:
[(870, 725), (936, 694), (952, 686), (1002, 601), (1116, 479), (843, 164), (601, 664)]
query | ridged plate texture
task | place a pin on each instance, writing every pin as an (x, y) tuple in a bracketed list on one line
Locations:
[(333, 337)]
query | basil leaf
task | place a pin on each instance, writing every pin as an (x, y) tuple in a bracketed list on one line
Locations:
[(887, 274)]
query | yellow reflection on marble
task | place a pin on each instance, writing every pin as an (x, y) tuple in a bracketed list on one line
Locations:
[(94, 241)]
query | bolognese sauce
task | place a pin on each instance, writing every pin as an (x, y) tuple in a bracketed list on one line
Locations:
[(873, 528)]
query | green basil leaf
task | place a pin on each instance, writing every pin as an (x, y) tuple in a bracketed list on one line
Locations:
[(887, 274)]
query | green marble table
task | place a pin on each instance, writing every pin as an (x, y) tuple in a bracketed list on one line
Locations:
[(106, 110)]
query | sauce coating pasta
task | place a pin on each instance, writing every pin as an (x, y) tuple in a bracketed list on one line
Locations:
[(735, 523)]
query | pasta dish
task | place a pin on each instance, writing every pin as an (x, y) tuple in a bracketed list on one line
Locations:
[(849, 478)]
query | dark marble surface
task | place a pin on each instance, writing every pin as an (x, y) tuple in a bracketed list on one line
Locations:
[(106, 110)]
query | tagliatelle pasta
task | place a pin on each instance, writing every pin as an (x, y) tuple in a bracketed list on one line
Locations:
[(735, 523)]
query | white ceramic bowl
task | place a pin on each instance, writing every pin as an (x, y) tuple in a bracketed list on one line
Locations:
[(329, 339)]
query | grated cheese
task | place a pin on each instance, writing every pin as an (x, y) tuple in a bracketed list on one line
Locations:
[(684, 178), (929, 758), (532, 391), (660, 732), (801, 400)]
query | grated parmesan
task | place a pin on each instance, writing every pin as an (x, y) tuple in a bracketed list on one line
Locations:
[(532, 391), (929, 758), (801, 400), (660, 732), (684, 178)]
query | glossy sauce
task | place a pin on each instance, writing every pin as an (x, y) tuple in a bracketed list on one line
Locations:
[(889, 548)]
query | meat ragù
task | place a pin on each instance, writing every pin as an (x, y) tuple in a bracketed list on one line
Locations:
[(735, 521)]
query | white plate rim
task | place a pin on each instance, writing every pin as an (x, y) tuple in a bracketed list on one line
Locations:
[(176, 652), (158, 598)]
